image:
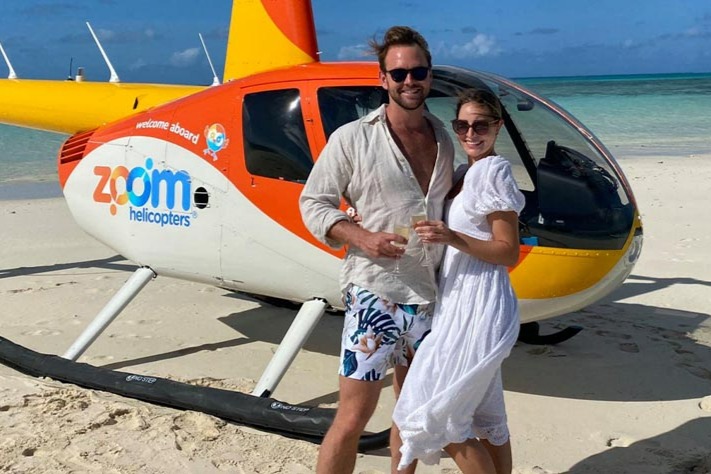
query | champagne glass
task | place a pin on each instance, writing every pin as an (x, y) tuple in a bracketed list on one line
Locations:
[(404, 231), (415, 218)]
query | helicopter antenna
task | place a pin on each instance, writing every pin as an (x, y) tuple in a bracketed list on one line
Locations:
[(69, 77), (215, 80), (114, 76), (12, 74)]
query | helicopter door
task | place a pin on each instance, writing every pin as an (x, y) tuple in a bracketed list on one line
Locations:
[(277, 159)]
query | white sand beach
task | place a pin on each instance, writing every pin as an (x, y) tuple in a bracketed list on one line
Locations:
[(630, 394)]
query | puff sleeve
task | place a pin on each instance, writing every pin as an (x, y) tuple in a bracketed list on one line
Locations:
[(488, 187)]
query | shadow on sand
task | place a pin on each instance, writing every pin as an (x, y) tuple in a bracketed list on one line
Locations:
[(608, 360), (679, 451), (109, 263)]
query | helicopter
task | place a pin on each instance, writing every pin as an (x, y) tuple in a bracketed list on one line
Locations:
[(202, 183)]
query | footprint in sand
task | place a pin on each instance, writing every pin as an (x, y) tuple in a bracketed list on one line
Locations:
[(192, 429), (21, 290), (108, 419), (141, 322), (698, 463), (687, 356), (548, 351), (45, 322), (687, 359), (629, 347), (199, 425), (618, 335), (700, 372)]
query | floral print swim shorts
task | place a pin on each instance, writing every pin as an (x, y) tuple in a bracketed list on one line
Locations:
[(378, 333)]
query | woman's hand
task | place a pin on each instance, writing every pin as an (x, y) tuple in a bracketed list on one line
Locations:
[(502, 249), (354, 216), (434, 232)]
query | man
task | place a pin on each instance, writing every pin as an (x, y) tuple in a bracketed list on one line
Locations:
[(391, 165)]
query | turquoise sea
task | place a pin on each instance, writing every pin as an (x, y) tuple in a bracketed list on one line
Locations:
[(643, 115), (637, 114)]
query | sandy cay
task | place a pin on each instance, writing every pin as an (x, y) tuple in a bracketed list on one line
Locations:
[(630, 394)]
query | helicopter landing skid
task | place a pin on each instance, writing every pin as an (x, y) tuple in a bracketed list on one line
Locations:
[(529, 334), (294, 421)]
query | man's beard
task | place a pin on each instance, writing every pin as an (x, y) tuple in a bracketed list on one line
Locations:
[(407, 105)]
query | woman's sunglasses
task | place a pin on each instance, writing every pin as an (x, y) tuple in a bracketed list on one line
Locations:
[(400, 74), (480, 127)]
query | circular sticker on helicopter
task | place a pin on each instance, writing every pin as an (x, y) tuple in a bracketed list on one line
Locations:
[(216, 138)]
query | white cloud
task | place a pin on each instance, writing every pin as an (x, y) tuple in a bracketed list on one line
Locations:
[(479, 46), (106, 35), (137, 64), (184, 58), (698, 32), (439, 49), (358, 52)]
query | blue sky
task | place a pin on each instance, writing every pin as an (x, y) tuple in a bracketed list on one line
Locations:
[(157, 41)]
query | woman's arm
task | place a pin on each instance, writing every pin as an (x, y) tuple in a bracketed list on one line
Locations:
[(502, 249)]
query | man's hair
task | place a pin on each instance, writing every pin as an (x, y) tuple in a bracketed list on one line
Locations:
[(482, 97), (399, 36)]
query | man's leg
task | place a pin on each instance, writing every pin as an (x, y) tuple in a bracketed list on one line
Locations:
[(395, 441), (357, 402)]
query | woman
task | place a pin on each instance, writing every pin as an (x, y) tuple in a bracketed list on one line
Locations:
[(452, 398)]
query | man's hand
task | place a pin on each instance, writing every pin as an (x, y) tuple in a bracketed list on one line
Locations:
[(374, 244), (379, 244)]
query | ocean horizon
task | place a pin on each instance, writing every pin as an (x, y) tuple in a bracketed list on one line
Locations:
[(612, 77), (633, 115)]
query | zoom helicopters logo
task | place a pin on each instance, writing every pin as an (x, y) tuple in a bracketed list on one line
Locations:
[(158, 197)]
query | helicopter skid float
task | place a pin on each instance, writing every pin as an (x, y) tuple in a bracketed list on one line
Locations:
[(202, 184)]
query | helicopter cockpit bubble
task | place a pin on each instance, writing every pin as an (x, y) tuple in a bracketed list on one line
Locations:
[(575, 197)]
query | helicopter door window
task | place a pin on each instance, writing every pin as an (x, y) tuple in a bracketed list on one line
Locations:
[(340, 105), (275, 143)]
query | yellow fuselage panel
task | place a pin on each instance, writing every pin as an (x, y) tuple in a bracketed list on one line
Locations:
[(549, 272), (70, 107)]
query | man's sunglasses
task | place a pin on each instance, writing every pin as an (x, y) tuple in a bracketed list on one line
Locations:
[(418, 73), (480, 127)]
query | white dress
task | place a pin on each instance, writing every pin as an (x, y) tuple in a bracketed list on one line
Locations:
[(453, 390)]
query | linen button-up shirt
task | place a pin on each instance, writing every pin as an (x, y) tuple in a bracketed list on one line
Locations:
[(362, 163)]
